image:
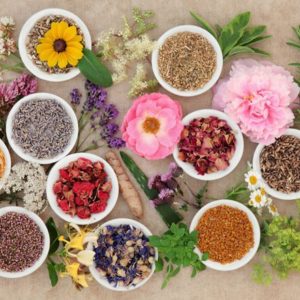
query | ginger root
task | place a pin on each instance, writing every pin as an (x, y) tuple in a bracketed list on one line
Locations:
[(128, 191)]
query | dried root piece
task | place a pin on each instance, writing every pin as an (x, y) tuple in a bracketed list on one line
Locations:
[(128, 191)]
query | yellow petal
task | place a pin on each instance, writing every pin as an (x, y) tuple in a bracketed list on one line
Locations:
[(52, 60), (43, 46), (81, 279), (72, 269), (85, 257), (45, 54), (76, 242), (46, 40), (77, 38), (49, 35), (62, 26), (76, 45), (54, 30), (73, 62), (62, 60), (74, 52), (70, 33)]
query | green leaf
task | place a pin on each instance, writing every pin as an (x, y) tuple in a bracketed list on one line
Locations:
[(251, 34), (295, 64), (168, 214), (297, 31), (204, 256), (240, 50), (159, 264), (293, 44), (259, 51), (203, 24), (233, 31), (91, 67), (259, 38), (201, 193), (52, 273), (53, 232)]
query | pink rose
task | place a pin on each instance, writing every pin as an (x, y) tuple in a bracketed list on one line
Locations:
[(257, 95), (152, 126)]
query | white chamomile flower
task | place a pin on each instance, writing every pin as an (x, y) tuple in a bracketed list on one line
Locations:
[(273, 210), (252, 180), (7, 21), (258, 199)]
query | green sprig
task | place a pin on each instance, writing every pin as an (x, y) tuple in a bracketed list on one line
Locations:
[(236, 37), (176, 251)]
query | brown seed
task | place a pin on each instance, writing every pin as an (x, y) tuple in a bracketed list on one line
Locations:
[(226, 233), (187, 61), (280, 164)]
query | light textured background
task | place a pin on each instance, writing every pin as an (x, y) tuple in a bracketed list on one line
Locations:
[(279, 16)]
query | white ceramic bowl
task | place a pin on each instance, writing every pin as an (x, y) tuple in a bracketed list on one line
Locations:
[(189, 168), (30, 65), (44, 231), (256, 231), (212, 41), (26, 156), (101, 279), (54, 176), (7, 162), (256, 167)]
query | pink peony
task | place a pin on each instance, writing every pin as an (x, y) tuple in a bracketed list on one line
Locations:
[(152, 126), (257, 95)]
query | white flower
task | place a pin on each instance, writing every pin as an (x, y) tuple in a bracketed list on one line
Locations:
[(2, 47), (258, 199), (252, 179), (273, 210), (7, 21), (31, 180)]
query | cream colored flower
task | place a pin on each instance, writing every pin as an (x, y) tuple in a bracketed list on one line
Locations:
[(273, 210), (252, 179), (258, 199), (85, 257)]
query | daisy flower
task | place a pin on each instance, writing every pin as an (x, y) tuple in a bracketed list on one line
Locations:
[(252, 179), (61, 45), (273, 210), (258, 199)]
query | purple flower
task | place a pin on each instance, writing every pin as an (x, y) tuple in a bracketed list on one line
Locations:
[(75, 96), (166, 194), (110, 112), (25, 84), (96, 96), (156, 183), (116, 143), (109, 130)]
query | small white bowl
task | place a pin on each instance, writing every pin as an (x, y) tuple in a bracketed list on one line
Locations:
[(7, 163), (212, 41), (189, 168), (256, 167), (101, 279), (30, 65), (26, 156), (54, 176), (45, 233), (256, 233)]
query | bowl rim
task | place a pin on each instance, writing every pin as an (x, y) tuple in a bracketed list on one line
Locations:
[(212, 41), (239, 151), (102, 280), (30, 65), (45, 233), (53, 176), (256, 167), (7, 157), (18, 149), (256, 234)]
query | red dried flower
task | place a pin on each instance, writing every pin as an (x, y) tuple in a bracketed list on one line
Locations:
[(82, 188), (208, 144)]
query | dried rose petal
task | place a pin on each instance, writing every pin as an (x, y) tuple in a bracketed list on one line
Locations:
[(208, 144)]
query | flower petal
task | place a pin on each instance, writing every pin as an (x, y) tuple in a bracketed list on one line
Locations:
[(70, 33), (86, 257)]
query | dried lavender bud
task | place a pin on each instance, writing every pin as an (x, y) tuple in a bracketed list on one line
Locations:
[(21, 242), (42, 128)]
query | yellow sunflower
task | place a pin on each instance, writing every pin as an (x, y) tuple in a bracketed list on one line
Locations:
[(61, 45)]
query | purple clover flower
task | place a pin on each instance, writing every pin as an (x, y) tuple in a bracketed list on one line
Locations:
[(116, 143), (75, 96), (166, 194)]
